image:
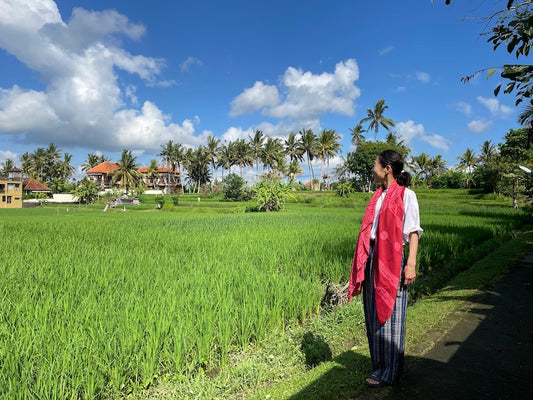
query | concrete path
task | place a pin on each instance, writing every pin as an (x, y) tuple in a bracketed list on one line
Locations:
[(487, 355)]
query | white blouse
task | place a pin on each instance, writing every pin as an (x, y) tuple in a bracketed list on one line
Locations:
[(411, 215)]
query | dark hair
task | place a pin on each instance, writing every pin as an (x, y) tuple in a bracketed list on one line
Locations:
[(395, 161)]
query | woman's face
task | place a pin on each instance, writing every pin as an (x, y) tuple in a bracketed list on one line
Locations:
[(380, 173)]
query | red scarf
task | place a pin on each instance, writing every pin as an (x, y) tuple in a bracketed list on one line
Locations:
[(388, 250)]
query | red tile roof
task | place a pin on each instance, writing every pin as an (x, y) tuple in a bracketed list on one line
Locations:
[(34, 186), (144, 170), (104, 168)]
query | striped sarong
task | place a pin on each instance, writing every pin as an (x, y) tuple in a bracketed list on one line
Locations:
[(386, 342)]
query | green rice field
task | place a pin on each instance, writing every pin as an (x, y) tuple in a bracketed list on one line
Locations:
[(96, 305)]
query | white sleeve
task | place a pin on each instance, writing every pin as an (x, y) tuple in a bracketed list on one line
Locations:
[(411, 217)]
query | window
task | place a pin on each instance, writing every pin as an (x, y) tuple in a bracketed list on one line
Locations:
[(8, 199), (10, 186), (17, 186), (3, 199)]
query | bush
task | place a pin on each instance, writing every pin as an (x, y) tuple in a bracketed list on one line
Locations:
[(234, 188), (344, 189), (160, 201), (449, 180), (270, 195)]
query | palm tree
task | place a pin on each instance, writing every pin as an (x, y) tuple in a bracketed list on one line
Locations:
[(467, 162), (198, 168), (26, 164), (177, 158), (488, 151), (38, 159), (437, 166), (292, 148), (7, 165), (328, 146), (212, 152), (256, 144), (225, 157), (92, 161), (152, 172), (66, 169), (293, 170), (377, 118), (308, 147), (421, 165), (526, 120), (127, 173), (243, 156), (272, 153), (357, 134), (166, 153)]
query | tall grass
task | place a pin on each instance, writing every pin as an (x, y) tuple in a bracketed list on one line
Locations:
[(94, 305)]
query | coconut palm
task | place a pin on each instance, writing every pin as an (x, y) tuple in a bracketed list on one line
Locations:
[(488, 151), (26, 163), (376, 118), (198, 168), (65, 167), (152, 172), (308, 146), (225, 157), (92, 161), (292, 148), (272, 153), (127, 173), (166, 154), (293, 170), (526, 120), (7, 165), (176, 160), (256, 143), (212, 152), (328, 146), (357, 134), (243, 155), (467, 163), (421, 165), (437, 166)]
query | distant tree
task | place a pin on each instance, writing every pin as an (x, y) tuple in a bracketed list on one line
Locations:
[(152, 172), (86, 191), (272, 153), (328, 145), (234, 188), (212, 152), (308, 146), (7, 165), (242, 154), (127, 173), (256, 143), (292, 149), (376, 118), (225, 157), (467, 163), (357, 134), (91, 162), (198, 168), (294, 169)]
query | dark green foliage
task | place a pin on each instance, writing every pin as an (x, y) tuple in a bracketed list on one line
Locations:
[(449, 180), (234, 188), (160, 201)]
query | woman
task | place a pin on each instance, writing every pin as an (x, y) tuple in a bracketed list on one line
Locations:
[(391, 220)]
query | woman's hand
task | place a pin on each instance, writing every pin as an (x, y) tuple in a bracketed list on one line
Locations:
[(409, 271)]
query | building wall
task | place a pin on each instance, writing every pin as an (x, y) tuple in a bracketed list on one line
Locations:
[(10, 194)]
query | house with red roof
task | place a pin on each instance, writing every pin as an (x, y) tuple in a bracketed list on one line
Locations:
[(166, 179), (31, 185)]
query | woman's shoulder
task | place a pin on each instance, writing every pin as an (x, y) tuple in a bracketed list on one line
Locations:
[(409, 193)]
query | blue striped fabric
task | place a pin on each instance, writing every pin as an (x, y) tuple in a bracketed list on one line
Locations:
[(386, 342)]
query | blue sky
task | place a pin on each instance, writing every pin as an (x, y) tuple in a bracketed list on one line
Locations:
[(94, 75)]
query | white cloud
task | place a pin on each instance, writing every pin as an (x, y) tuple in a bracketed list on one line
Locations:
[(495, 108), (479, 126), (308, 96), (401, 89), (385, 50), (257, 97), (423, 77), (233, 133), (190, 62), (82, 103), (409, 131), (5, 154), (464, 107)]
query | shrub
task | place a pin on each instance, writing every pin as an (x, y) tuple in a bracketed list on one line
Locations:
[(270, 195), (344, 189), (160, 201), (234, 188)]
